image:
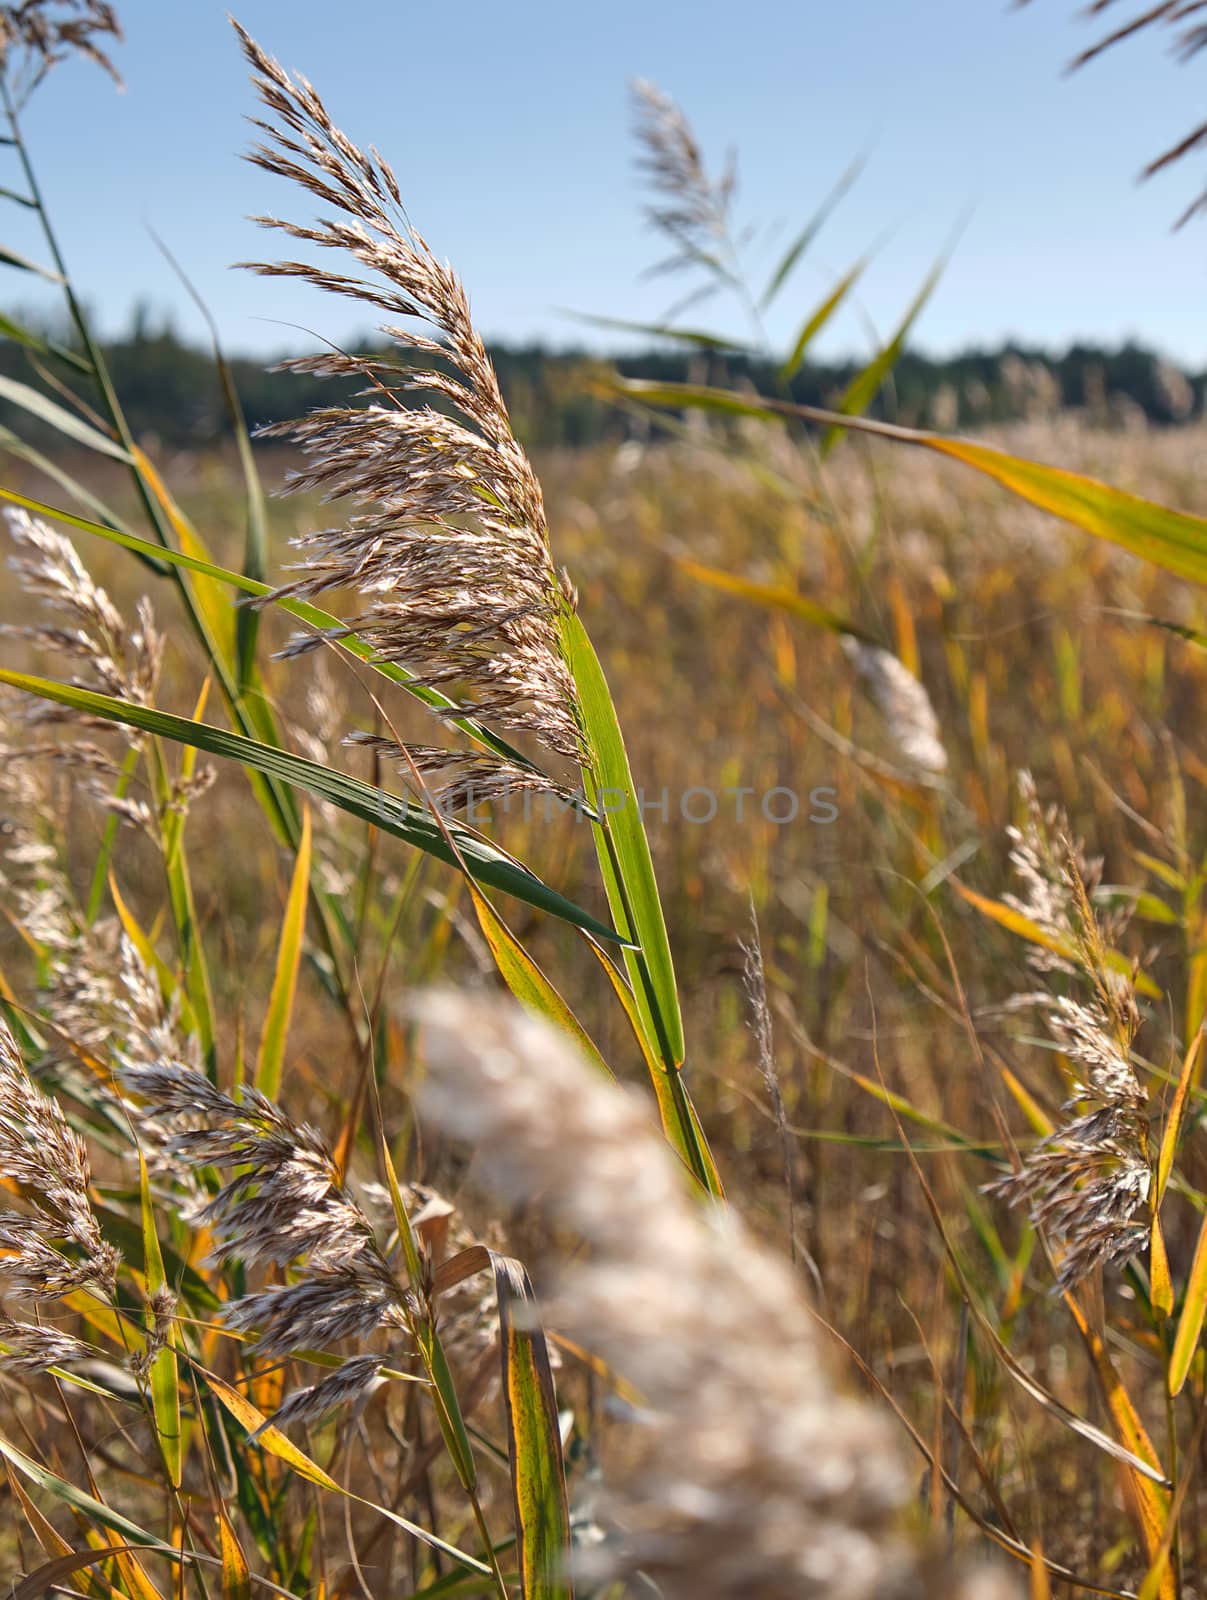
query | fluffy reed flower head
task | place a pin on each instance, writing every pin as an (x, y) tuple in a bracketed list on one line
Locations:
[(905, 706), (37, 34), (30, 867), (1089, 1180), (1057, 879), (112, 657), (48, 1160), (95, 988), (466, 778), (147, 1025), (27, 1348), (286, 1202), (450, 551), (100, 651), (352, 1381), (757, 1477), (141, 1031), (693, 209), (287, 1205)]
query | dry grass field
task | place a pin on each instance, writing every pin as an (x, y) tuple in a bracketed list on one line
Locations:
[(1036, 652), (333, 1262)]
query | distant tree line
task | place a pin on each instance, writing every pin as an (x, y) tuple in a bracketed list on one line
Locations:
[(171, 390)]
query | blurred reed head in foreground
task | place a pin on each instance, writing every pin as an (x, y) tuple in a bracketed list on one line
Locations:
[(754, 1474)]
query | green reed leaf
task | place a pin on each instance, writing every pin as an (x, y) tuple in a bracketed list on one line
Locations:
[(624, 852), (58, 417), (792, 255), (864, 388), (391, 814), (817, 320), (534, 1442), (285, 978)]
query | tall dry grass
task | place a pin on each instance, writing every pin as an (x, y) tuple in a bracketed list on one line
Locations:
[(906, 1289)]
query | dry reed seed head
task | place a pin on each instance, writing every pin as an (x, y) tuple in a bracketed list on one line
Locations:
[(693, 210), (479, 1090), (1088, 1184), (754, 984), (150, 1022), (450, 548), (171, 1089), (1089, 1181), (32, 841), (121, 661), (286, 1203), (904, 704), (78, 995), (93, 769), (45, 917), (466, 778), (41, 1153), (28, 1348), (1057, 884), (38, 34), (355, 1300), (286, 1200), (351, 1382), (162, 1303), (105, 1002), (756, 1478), (99, 652), (1087, 1035)]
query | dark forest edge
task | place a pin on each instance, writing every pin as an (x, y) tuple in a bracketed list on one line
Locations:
[(171, 390)]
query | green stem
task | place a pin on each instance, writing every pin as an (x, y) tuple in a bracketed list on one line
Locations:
[(691, 1142), (491, 1553)]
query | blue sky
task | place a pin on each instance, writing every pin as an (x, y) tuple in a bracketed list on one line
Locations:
[(508, 128)]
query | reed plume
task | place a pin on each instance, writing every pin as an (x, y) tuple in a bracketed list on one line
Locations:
[(27, 1348), (56, 1245), (1056, 878), (38, 34), (450, 556), (903, 702), (285, 1202), (1089, 1180), (32, 872), (287, 1205), (110, 656), (98, 649), (692, 208), (756, 1478)]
